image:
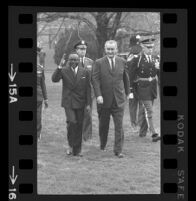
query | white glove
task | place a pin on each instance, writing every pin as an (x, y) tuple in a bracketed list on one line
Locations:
[(157, 65), (100, 100), (130, 96)]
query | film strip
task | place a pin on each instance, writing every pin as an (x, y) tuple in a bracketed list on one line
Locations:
[(22, 107)]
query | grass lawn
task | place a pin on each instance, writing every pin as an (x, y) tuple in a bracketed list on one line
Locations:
[(96, 172)]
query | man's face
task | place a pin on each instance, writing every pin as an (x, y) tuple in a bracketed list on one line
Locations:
[(81, 50), (111, 49), (73, 60), (147, 50)]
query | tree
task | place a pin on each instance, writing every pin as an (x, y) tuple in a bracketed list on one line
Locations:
[(105, 25), (67, 41)]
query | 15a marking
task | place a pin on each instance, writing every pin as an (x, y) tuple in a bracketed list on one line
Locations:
[(13, 86), (12, 191)]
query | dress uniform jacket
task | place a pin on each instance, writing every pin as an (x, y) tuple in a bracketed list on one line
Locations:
[(41, 86), (132, 63), (111, 84), (146, 88), (87, 64), (76, 91)]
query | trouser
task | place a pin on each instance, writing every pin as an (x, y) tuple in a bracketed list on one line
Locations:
[(87, 125), (39, 118), (74, 128), (133, 110), (145, 117), (104, 121)]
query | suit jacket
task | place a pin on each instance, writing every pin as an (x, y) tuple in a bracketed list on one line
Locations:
[(41, 86), (76, 92), (140, 67), (111, 84), (88, 64)]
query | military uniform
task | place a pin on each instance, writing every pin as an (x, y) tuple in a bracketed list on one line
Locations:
[(87, 123), (132, 65), (41, 95), (86, 63), (145, 75)]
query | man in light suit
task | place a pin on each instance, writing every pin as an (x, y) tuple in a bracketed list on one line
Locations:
[(86, 63), (76, 97), (111, 85)]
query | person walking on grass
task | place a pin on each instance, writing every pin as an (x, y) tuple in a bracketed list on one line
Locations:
[(111, 85), (76, 97)]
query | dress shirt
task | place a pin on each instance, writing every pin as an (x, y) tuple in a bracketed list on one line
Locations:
[(109, 59)]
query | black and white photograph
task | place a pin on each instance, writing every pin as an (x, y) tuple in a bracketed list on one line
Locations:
[(98, 103)]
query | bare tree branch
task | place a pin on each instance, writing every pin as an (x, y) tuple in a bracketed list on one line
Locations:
[(94, 14), (115, 24), (58, 29), (53, 17), (42, 29), (124, 17)]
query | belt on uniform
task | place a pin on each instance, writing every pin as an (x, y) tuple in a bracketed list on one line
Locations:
[(145, 79)]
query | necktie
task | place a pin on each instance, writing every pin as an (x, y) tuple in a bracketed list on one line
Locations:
[(150, 59), (112, 64), (74, 71)]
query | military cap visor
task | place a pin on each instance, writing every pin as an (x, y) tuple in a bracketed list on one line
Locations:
[(81, 44), (149, 43)]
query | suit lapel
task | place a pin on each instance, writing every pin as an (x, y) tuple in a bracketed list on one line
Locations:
[(108, 65), (79, 73), (70, 75), (116, 65)]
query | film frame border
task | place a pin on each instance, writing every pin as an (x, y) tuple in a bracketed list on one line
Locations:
[(22, 113)]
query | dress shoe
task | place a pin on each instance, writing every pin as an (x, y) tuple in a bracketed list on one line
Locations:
[(142, 135), (155, 137), (79, 155), (134, 128), (119, 155), (68, 152), (104, 150)]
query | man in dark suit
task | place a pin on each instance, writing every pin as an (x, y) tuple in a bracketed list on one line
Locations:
[(76, 97), (85, 62), (145, 72), (111, 85), (41, 91)]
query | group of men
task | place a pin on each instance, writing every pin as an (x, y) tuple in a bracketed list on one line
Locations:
[(110, 80)]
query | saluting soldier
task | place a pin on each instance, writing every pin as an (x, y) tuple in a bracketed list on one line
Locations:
[(85, 62), (146, 72), (41, 90)]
